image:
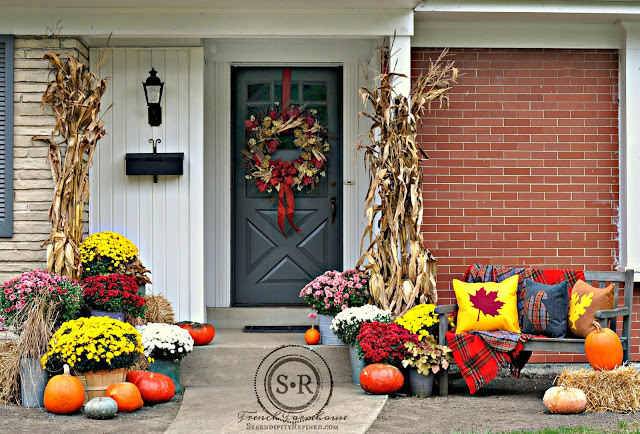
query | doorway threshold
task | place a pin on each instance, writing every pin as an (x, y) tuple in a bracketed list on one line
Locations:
[(276, 329)]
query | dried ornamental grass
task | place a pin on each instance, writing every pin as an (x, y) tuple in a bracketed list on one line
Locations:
[(74, 95), (617, 390), (158, 310), (39, 319), (402, 269)]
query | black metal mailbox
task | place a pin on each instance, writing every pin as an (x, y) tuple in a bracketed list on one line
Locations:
[(155, 164)]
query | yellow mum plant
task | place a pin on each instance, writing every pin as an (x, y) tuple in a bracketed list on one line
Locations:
[(422, 320), (93, 344), (105, 253)]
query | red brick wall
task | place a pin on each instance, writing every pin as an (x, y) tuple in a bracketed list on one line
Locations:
[(524, 163)]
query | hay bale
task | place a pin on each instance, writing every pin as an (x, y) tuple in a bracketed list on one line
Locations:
[(617, 390), (158, 310)]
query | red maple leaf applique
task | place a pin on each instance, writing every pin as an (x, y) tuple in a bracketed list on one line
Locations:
[(486, 302)]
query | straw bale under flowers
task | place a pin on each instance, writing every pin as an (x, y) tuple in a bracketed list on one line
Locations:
[(617, 390), (158, 310)]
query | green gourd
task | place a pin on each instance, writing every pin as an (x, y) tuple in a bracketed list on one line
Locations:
[(101, 408)]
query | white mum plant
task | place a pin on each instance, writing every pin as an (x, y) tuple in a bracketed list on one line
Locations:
[(165, 341), (346, 324)]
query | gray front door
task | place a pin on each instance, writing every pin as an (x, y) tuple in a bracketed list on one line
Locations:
[(269, 268)]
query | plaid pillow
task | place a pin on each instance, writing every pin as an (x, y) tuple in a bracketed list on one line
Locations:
[(546, 309)]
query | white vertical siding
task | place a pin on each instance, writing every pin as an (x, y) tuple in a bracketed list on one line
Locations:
[(165, 219), (218, 183), (354, 172)]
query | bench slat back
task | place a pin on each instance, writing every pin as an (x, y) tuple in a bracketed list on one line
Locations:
[(620, 279)]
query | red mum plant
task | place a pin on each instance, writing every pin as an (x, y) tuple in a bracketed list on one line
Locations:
[(384, 343), (114, 293)]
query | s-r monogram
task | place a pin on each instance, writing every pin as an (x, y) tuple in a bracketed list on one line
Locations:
[(303, 381)]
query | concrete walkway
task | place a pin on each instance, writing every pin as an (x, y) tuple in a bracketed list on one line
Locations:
[(209, 409), (220, 396)]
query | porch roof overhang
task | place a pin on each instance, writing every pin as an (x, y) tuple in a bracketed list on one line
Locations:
[(584, 11), (198, 19), (523, 23)]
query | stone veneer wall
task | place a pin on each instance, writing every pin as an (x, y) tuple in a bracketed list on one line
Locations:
[(32, 182)]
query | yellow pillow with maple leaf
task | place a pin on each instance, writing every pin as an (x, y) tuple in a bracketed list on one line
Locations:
[(487, 306), (585, 301)]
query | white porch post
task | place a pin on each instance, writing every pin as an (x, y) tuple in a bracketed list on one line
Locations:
[(630, 147), (400, 62)]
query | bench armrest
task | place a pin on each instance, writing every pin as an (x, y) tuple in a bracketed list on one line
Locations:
[(612, 313), (446, 308), (443, 325)]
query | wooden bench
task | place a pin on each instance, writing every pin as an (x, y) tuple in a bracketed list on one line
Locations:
[(567, 345)]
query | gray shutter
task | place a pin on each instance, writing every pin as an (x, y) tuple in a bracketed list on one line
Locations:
[(6, 136)]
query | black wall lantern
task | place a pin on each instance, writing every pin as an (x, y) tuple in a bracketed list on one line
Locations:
[(153, 93)]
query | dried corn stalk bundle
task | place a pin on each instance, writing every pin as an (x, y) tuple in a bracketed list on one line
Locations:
[(402, 269), (74, 94)]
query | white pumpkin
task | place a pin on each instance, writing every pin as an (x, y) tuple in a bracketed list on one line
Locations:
[(565, 400)]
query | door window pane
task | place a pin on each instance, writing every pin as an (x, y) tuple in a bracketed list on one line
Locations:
[(259, 91), (314, 92)]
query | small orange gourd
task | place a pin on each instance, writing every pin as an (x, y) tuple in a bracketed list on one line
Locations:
[(564, 400), (64, 394), (603, 348), (312, 336), (126, 395)]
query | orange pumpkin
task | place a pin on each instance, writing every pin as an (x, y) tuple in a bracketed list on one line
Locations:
[(312, 336), (603, 348), (564, 400), (381, 379), (64, 394), (126, 395), (202, 334), (153, 387)]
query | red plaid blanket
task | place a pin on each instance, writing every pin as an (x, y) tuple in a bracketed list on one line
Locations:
[(481, 360), (481, 355)]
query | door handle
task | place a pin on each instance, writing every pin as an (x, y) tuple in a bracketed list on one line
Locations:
[(333, 210)]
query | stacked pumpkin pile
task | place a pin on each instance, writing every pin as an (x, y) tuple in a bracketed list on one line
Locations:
[(65, 394)]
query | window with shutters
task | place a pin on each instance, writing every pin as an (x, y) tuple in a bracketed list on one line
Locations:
[(6, 136)]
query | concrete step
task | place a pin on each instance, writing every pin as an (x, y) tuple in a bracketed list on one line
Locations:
[(233, 357), (238, 317)]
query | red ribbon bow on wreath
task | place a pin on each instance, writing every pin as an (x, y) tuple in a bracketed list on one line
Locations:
[(282, 174)]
